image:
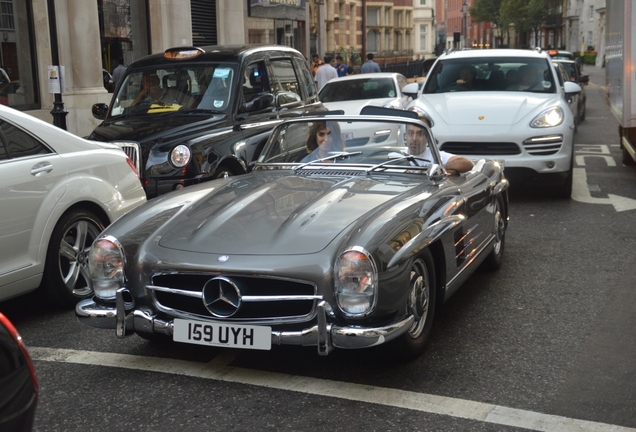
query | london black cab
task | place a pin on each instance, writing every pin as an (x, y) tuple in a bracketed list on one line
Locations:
[(193, 114)]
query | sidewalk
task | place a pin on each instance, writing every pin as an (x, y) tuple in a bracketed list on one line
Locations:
[(596, 74)]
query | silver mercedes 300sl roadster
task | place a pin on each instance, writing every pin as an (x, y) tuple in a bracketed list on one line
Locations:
[(339, 237)]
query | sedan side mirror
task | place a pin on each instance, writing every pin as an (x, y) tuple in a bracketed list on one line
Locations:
[(99, 110)]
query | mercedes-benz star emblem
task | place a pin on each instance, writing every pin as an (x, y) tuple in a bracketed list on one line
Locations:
[(221, 297)]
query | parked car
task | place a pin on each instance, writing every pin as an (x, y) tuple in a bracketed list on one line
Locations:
[(193, 114), (352, 250), (490, 113), (353, 92), (58, 192), (573, 73), (18, 381)]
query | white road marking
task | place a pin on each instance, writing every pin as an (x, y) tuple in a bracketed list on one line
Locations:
[(218, 369), (581, 193)]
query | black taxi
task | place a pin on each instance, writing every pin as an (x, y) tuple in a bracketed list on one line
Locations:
[(193, 114)]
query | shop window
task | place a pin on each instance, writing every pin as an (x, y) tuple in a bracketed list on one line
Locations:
[(18, 86)]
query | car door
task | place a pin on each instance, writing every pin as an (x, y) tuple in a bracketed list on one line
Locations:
[(29, 169)]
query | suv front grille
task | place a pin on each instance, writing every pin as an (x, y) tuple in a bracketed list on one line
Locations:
[(280, 300), (481, 148)]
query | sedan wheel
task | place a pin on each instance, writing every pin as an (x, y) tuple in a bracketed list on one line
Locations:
[(65, 279), (420, 304)]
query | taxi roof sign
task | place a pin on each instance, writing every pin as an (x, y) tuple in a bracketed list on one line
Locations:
[(182, 53)]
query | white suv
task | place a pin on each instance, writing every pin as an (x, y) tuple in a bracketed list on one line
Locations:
[(503, 104)]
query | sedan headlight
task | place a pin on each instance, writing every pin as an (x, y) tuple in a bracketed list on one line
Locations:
[(180, 156), (356, 282), (548, 118), (106, 267)]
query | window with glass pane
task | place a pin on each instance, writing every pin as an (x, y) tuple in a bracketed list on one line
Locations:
[(18, 88)]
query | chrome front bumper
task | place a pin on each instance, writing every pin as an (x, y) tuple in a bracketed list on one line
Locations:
[(125, 319)]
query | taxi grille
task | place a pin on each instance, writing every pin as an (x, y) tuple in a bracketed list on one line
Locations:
[(481, 148), (279, 300), (132, 151)]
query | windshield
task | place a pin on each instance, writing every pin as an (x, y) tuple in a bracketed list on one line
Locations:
[(169, 88), (358, 89), (491, 74), (372, 142)]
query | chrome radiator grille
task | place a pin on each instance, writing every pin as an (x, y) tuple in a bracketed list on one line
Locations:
[(264, 299), (132, 150)]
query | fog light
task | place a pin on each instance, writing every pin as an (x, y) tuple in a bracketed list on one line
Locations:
[(550, 164)]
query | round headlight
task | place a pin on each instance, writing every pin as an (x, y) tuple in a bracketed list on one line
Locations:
[(106, 267), (548, 118), (180, 156), (356, 281)]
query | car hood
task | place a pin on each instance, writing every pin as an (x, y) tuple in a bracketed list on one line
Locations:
[(485, 109), (277, 214), (354, 107), (145, 128)]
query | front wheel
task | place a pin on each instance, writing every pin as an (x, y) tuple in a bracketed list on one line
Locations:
[(65, 279), (495, 257), (420, 304)]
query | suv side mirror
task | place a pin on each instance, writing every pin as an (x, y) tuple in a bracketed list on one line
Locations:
[(411, 90), (259, 103), (99, 110)]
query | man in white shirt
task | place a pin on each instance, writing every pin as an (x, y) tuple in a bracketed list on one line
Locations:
[(325, 73), (418, 146)]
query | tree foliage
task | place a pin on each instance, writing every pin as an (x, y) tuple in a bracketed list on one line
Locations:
[(524, 15)]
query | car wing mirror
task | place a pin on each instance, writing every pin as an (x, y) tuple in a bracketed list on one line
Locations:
[(411, 90), (287, 100), (99, 110)]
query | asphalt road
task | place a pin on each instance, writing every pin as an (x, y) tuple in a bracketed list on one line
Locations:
[(547, 343)]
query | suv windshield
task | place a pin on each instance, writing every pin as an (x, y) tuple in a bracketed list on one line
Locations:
[(491, 74), (169, 88)]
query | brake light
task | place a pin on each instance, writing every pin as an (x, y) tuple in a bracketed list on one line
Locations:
[(132, 166)]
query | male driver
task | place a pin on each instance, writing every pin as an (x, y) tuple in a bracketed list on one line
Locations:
[(417, 146)]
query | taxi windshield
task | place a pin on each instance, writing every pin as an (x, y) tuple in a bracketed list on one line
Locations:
[(168, 88)]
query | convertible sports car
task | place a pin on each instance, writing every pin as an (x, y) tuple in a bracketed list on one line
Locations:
[(352, 247)]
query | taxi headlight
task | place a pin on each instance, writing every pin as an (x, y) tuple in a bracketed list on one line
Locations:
[(106, 267), (356, 282), (180, 156), (548, 118)]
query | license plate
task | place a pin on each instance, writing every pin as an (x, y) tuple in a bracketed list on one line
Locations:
[(223, 335)]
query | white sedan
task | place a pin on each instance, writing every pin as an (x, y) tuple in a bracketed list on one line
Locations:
[(353, 92), (58, 192), (507, 105)]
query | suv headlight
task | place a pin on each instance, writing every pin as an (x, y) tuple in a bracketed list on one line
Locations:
[(356, 282), (548, 118), (106, 267)]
